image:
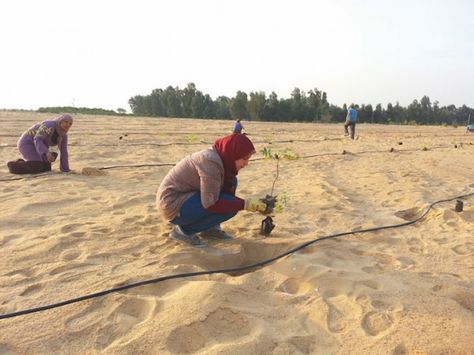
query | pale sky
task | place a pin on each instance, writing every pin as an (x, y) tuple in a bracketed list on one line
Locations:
[(99, 53)]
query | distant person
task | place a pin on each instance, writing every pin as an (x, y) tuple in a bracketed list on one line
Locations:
[(34, 146), (198, 193), (351, 119), (238, 127)]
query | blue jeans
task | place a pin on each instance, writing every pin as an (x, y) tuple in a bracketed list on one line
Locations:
[(194, 218)]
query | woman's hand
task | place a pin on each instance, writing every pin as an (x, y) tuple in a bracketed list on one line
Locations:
[(51, 157), (255, 204)]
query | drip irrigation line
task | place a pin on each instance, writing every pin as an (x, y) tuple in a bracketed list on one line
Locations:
[(135, 165), (255, 159), (257, 265), (186, 143)]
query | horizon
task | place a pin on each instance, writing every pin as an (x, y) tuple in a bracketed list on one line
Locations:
[(99, 55)]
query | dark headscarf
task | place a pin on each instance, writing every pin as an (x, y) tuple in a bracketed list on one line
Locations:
[(230, 149)]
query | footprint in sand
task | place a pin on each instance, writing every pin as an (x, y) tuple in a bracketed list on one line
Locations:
[(63, 244), (77, 234), (22, 272), (375, 322), (10, 239), (464, 249), (358, 252), (222, 325), (131, 219), (341, 312), (408, 215), (99, 229), (69, 227), (70, 255), (122, 321), (70, 267), (86, 318), (31, 290), (402, 349), (405, 262), (294, 286), (464, 299), (304, 344), (335, 320), (369, 283)]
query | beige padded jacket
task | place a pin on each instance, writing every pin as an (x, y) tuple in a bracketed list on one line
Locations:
[(201, 171)]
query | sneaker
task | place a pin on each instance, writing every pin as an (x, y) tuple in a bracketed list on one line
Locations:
[(190, 239), (217, 232)]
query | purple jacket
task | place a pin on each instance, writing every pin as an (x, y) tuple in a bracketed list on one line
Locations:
[(42, 136)]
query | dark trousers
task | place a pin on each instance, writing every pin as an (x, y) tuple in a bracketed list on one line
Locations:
[(194, 218), (28, 167), (353, 128)]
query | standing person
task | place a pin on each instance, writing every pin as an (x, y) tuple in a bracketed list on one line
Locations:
[(238, 127), (34, 147), (351, 119), (198, 193)]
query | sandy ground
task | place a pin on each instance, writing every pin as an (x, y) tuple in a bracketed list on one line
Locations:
[(399, 291)]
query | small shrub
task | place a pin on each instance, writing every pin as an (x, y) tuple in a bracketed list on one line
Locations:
[(281, 202)]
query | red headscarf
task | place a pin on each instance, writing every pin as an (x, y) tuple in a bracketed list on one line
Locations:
[(230, 149)]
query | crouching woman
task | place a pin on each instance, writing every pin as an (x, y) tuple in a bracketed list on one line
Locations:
[(198, 193), (34, 146)]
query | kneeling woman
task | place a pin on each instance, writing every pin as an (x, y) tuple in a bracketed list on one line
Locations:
[(198, 193), (34, 146)]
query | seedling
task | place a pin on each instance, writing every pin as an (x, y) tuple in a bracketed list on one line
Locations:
[(192, 138), (267, 224)]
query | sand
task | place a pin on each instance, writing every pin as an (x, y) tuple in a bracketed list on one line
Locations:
[(407, 290)]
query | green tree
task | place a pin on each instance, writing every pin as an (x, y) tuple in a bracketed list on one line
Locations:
[(298, 99), (378, 114), (172, 102), (238, 106), (271, 107), (209, 111), (426, 111), (188, 94), (222, 107), (414, 112), (315, 104), (198, 105), (256, 105), (140, 105), (156, 98)]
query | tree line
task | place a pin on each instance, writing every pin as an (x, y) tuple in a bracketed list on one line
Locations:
[(83, 110), (311, 106)]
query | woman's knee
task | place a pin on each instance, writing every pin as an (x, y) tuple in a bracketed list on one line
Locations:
[(28, 167)]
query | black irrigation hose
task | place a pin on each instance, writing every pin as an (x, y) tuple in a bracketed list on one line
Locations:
[(200, 142), (255, 159), (135, 165), (185, 143), (223, 271)]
